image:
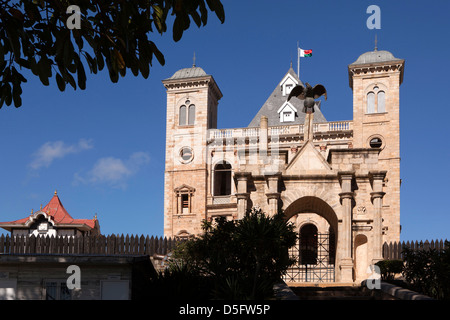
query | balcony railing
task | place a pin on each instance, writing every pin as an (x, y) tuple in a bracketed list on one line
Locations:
[(334, 126)]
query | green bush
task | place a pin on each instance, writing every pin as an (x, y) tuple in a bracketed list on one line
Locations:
[(243, 258), (180, 282), (428, 271), (389, 268)]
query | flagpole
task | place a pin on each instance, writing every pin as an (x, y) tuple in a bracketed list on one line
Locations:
[(298, 61)]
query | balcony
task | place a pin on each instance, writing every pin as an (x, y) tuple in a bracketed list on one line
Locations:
[(326, 127)]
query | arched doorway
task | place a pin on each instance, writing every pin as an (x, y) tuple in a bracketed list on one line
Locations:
[(315, 251), (308, 244)]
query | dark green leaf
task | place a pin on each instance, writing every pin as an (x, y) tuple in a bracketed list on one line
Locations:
[(60, 82)]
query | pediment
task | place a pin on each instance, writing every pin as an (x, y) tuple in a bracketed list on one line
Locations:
[(307, 160), (184, 188)]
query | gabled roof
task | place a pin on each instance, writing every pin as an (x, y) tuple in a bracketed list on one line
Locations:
[(287, 105), (276, 100), (56, 213)]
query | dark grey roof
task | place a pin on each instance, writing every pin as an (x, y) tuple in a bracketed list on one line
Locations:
[(276, 100), (375, 57), (188, 73)]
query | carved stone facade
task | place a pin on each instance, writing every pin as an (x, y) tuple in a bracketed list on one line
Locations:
[(344, 180)]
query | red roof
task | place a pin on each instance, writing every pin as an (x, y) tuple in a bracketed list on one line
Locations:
[(57, 213)]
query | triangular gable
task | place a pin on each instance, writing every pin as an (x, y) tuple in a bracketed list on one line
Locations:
[(307, 159), (287, 84), (287, 77), (287, 105), (184, 188)]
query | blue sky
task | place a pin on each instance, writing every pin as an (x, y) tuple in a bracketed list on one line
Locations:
[(103, 148)]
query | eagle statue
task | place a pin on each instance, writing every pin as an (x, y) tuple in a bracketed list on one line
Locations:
[(308, 94)]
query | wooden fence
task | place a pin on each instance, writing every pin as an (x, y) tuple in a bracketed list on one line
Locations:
[(93, 245), (140, 245), (394, 251)]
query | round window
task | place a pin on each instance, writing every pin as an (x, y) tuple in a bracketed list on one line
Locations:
[(186, 154), (376, 143)]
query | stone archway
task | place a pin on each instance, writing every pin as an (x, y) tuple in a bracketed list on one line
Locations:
[(310, 212), (311, 204)]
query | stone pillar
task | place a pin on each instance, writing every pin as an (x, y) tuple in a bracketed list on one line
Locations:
[(345, 260), (272, 193), (377, 195), (308, 131), (242, 194), (263, 138)]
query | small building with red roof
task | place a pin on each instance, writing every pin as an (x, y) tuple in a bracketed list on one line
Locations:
[(52, 220)]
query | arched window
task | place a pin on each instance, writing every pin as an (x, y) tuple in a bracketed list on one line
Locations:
[(380, 101), (182, 116), (376, 101), (191, 115), (222, 179), (371, 102), (308, 244)]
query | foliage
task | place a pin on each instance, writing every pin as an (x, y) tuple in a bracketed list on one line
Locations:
[(428, 271), (389, 268), (34, 35), (180, 282), (243, 258)]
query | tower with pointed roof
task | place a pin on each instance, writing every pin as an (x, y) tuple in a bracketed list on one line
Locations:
[(338, 182)]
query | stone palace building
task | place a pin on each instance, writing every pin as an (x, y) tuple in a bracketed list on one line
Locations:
[(338, 182)]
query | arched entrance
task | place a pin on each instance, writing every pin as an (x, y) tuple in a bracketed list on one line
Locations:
[(308, 244), (315, 251)]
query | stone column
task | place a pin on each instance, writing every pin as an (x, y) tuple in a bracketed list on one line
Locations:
[(345, 260), (377, 195), (242, 194), (272, 193), (263, 139)]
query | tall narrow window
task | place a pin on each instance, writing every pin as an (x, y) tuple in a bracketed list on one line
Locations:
[(185, 203), (380, 101), (308, 244), (191, 116), (184, 194), (371, 102), (222, 179), (182, 116)]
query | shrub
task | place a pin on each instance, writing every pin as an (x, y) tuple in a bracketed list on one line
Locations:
[(243, 258), (428, 271), (389, 268)]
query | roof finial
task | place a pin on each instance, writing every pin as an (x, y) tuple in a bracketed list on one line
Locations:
[(193, 64), (32, 211), (95, 217), (40, 207), (376, 43), (56, 193)]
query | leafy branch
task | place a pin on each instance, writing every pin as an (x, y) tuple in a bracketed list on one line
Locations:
[(114, 33)]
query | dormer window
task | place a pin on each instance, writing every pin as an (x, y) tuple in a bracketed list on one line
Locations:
[(287, 84), (288, 88), (288, 116), (287, 112)]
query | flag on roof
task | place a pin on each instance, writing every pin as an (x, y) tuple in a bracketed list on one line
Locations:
[(304, 53)]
